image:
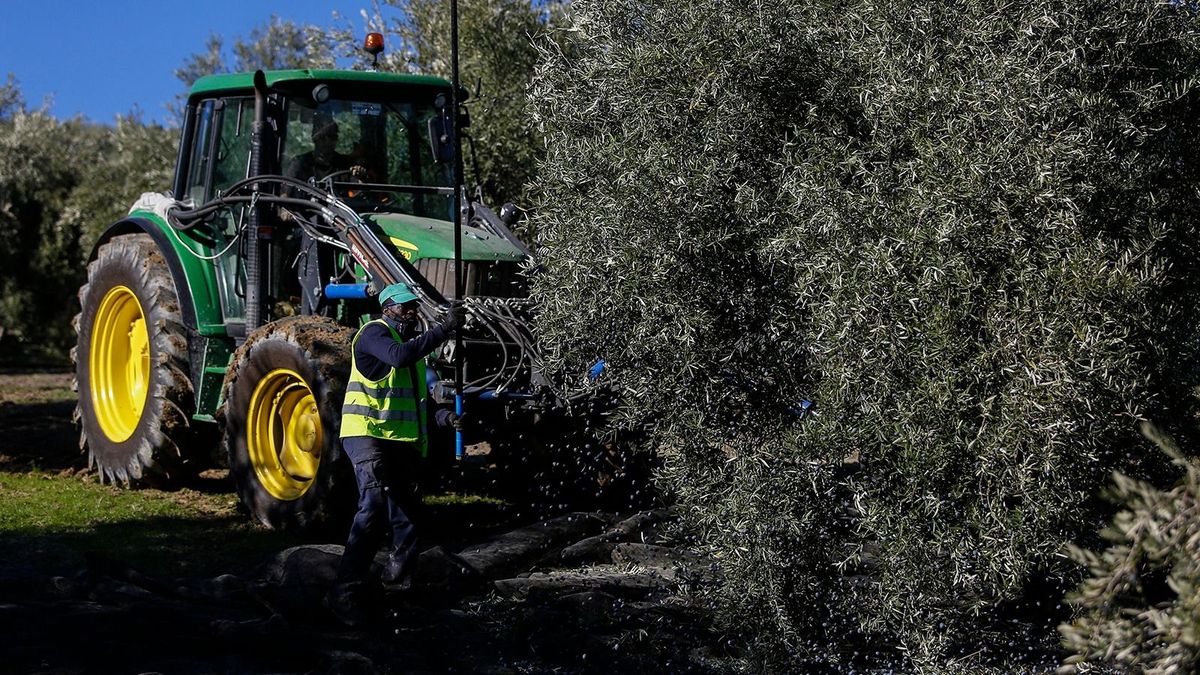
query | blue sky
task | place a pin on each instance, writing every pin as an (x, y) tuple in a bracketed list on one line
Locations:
[(102, 58)]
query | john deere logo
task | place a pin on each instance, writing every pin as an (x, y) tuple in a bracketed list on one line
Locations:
[(406, 249)]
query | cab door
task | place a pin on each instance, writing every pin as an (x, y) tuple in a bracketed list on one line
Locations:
[(220, 158)]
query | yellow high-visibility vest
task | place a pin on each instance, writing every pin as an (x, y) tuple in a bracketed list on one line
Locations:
[(391, 408)]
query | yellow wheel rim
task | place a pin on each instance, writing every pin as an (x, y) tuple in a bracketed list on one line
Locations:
[(119, 364), (283, 434)]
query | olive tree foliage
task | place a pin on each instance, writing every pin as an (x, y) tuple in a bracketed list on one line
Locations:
[(1139, 607), (11, 99), (965, 230), (134, 157), (279, 44), (60, 183), (38, 254)]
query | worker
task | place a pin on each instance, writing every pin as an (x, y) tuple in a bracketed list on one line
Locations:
[(324, 159), (384, 434)]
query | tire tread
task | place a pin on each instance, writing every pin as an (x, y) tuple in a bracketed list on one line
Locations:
[(156, 455)]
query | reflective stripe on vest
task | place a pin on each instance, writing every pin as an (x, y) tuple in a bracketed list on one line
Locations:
[(367, 411), (379, 392), (390, 408)]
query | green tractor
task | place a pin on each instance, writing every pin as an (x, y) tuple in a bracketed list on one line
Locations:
[(225, 308)]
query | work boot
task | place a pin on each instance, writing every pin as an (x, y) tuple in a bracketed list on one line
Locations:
[(345, 602), (397, 573)]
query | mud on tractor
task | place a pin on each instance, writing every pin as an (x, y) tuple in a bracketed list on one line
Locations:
[(226, 307)]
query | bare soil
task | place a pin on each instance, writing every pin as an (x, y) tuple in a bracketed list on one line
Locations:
[(496, 591)]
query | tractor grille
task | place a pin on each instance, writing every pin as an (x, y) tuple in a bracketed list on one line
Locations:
[(497, 279)]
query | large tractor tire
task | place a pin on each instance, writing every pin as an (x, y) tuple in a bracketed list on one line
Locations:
[(283, 398), (131, 370)]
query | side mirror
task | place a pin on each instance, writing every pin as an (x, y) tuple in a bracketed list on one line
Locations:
[(509, 214)]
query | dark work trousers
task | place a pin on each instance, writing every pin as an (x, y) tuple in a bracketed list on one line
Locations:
[(386, 472)]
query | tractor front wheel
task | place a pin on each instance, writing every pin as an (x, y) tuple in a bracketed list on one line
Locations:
[(135, 398), (283, 397)]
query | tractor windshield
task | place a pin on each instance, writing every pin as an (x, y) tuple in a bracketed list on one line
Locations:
[(375, 154)]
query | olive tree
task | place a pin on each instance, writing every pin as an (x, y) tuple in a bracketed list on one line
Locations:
[(1138, 608), (39, 253), (966, 231)]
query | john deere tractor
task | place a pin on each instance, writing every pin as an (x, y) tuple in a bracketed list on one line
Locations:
[(224, 309)]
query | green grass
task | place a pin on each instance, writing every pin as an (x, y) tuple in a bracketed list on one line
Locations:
[(53, 512), (34, 388), (53, 521), (43, 502), (70, 503), (457, 499)]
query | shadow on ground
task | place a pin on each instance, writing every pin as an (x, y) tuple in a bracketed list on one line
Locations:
[(497, 590), (514, 602), (39, 435)]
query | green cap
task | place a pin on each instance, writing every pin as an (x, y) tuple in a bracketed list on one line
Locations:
[(397, 293)]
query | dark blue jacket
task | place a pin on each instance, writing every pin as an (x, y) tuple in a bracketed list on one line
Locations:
[(376, 352)]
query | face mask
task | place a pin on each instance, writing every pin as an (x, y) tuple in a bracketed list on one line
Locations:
[(408, 328), (406, 325)]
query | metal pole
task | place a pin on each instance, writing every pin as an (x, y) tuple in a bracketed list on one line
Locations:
[(458, 190)]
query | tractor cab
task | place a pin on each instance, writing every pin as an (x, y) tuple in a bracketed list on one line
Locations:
[(334, 127)]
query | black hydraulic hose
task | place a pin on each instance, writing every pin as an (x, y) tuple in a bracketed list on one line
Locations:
[(513, 370), (474, 159), (509, 325), (285, 181), (516, 329), (231, 200), (313, 230), (503, 350), (530, 352), (253, 246)]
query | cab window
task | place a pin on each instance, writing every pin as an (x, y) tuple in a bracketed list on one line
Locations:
[(378, 143), (233, 143), (198, 167)]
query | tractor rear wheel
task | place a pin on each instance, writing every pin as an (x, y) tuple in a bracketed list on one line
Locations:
[(135, 398), (283, 397)]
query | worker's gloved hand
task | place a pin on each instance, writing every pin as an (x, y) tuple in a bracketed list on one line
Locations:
[(457, 422), (455, 317)]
